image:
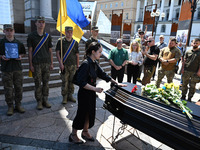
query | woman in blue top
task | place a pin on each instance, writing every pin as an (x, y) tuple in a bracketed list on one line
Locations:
[(86, 80)]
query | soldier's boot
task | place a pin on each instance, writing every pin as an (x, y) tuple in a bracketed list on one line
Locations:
[(64, 99), (70, 98), (45, 102), (19, 108), (10, 110), (39, 105)]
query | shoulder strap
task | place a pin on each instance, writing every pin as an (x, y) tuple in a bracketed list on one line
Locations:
[(40, 44), (69, 50)]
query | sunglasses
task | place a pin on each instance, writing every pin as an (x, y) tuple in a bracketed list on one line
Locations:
[(119, 42), (149, 41)]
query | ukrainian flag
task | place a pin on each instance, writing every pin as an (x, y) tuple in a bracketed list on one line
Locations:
[(71, 14)]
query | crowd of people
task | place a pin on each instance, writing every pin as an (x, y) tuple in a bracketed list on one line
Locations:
[(144, 55), (147, 55)]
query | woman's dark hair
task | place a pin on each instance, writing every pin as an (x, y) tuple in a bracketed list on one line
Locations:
[(94, 46)]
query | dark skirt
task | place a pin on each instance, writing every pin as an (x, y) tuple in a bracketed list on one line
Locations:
[(86, 105)]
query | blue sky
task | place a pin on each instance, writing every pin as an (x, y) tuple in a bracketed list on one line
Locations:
[(5, 17)]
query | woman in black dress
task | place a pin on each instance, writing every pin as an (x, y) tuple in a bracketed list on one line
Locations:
[(86, 80)]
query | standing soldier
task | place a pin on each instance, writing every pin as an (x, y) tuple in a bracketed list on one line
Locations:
[(93, 38), (40, 61), (68, 64), (11, 52), (191, 69), (168, 57)]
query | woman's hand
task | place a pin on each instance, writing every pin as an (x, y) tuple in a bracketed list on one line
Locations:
[(98, 90), (122, 85)]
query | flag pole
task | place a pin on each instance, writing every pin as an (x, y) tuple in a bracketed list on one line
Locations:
[(61, 51)]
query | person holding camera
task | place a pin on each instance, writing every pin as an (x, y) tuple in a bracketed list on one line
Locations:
[(168, 57), (151, 54), (68, 64)]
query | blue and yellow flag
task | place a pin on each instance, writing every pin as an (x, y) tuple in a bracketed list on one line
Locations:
[(71, 14)]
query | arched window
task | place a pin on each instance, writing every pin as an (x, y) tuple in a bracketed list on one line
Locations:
[(163, 28), (138, 26)]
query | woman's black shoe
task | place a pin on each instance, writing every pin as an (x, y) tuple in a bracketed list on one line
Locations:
[(73, 141), (87, 139)]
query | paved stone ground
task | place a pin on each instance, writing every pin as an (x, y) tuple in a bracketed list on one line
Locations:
[(50, 128)]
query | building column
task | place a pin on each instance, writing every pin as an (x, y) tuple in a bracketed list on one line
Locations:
[(145, 3), (138, 10), (162, 8), (46, 9), (154, 2), (171, 10)]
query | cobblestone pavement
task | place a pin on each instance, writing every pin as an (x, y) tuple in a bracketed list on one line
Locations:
[(50, 128)]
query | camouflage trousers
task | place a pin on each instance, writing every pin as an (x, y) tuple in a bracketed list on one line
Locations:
[(190, 78), (168, 73), (67, 77), (148, 73), (41, 76), (10, 80)]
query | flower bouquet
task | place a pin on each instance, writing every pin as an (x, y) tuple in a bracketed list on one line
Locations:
[(169, 94)]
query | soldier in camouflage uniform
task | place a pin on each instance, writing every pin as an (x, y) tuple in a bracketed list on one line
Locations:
[(93, 38), (191, 70), (68, 67), (168, 57), (12, 70), (41, 63)]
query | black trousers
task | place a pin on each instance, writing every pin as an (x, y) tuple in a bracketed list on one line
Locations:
[(117, 74), (132, 72)]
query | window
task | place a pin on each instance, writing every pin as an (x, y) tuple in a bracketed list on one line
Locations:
[(198, 15), (110, 5), (160, 3), (163, 28), (122, 4), (177, 14), (110, 17), (105, 5), (116, 4), (138, 26), (101, 6), (179, 2), (167, 14), (126, 15), (169, 3)]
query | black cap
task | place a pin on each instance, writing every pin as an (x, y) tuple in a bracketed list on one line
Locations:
[(8, 26), (68, 28), (141, 32), (39, 18), (95, 28)]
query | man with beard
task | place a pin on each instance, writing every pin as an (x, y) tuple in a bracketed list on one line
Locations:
[(191, 69), (168, 57)]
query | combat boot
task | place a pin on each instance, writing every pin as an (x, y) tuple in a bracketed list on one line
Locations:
[(10, 111), (20, 109), (70, 98), (39, 105), (64, 100), (45, 102)]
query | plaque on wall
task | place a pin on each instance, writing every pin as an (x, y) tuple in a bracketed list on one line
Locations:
[(11, 50)]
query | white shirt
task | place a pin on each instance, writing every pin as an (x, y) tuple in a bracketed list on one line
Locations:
[(136, 57)]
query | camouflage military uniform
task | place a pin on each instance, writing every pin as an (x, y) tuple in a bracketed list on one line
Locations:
[(89, 41), (67, 88), (12, 74), (41, 63), (192, 62), (168, 70)]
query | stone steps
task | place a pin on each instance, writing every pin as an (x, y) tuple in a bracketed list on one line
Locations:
[(55, 81)]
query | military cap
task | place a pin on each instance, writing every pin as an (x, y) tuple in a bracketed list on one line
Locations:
[(141, 32), (95, 28), (68, 28), (39, 18), (8, 26)]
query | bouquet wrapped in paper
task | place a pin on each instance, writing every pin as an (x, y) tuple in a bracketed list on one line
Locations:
[(169, 94)]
